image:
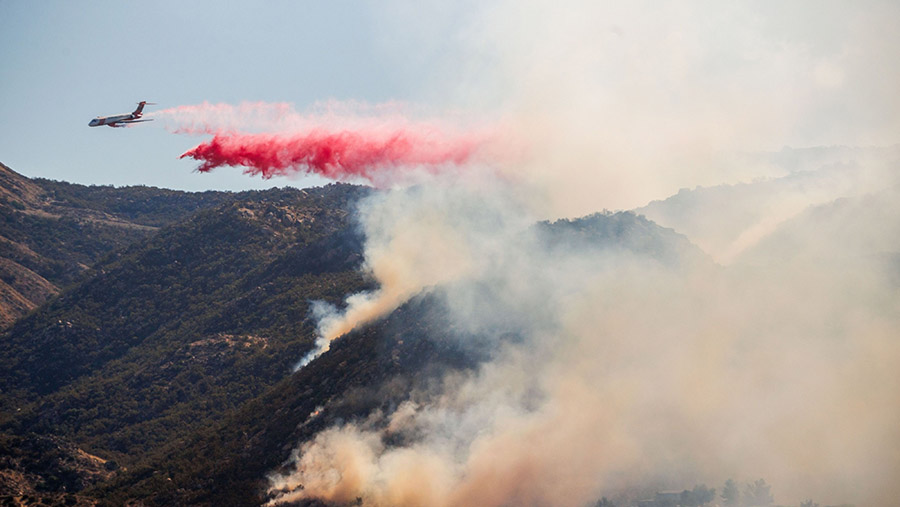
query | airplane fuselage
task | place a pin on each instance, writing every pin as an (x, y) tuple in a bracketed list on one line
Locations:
[(110, 120)]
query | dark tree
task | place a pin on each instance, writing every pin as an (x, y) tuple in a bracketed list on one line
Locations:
[(700, 495), (758, 493), (731, 496)]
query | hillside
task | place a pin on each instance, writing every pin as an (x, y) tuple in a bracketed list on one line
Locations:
[(165, 336), (725, 220), (373, 368), (847, 231), (198, 325), (369, 369), (51, 232), (180, 306), (623, 232)]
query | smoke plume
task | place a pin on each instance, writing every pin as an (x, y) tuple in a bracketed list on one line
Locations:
[(395, 255), (628, 374)]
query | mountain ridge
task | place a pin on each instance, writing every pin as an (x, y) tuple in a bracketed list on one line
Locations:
[(51, 232), (171, 356)]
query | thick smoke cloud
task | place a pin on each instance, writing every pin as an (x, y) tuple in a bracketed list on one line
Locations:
[(395, 256), (620, 103), (630, 373)]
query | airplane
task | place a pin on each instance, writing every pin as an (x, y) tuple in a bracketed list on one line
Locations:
[(121, 120)]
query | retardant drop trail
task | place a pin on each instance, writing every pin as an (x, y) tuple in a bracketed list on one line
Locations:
[(336, 155)]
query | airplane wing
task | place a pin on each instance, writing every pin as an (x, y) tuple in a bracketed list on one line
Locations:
[(135, 121)]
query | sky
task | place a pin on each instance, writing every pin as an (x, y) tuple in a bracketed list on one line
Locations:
[(640, 97), (63, 63)]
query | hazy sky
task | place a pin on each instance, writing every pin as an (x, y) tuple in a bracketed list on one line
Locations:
[(641, 91)]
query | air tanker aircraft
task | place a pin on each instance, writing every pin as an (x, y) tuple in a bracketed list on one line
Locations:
[(121, 120)]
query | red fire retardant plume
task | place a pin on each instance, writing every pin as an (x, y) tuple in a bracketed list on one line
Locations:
[(336, 155)]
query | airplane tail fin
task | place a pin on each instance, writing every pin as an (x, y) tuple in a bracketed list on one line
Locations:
[(140, 109)]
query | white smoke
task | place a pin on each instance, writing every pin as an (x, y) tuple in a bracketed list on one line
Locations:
[(623, 102), (630, 372)]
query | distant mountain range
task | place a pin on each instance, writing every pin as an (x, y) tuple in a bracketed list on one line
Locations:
[(727, 220)]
